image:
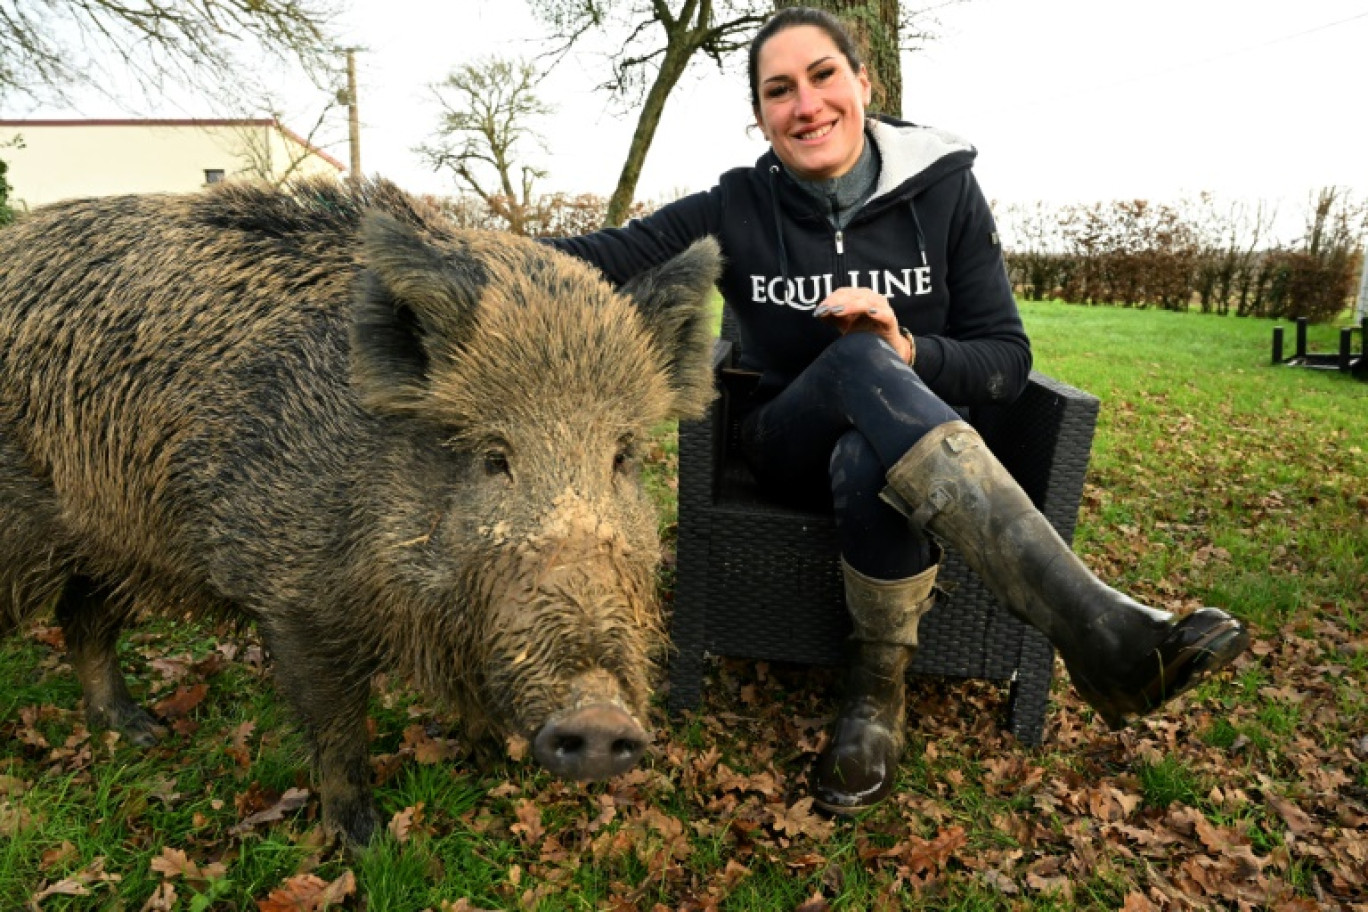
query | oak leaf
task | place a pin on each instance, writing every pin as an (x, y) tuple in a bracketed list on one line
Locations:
[(308, 893), (69, 886), (529, 826), (1136, 902), (182, 701), (460, 905), (1297, 820), (173, 863), (163, 899), (922, 855), (403, 823), (799, 819), (428, 750), (58, 856), (291, 801)]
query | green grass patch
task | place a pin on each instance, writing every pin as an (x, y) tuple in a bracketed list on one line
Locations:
[(1216, 478)]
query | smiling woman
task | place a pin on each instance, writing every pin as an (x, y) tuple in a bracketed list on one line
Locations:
[(863, 269), (811, 110)]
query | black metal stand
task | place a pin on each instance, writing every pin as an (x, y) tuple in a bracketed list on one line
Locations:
[(1345, 361)]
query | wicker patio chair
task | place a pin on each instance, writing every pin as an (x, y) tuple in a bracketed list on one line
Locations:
[(760, 581)]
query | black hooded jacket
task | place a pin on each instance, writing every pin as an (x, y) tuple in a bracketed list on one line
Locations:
[(925, 239)]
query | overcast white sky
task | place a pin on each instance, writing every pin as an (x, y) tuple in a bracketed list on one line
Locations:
[(1067, 100)]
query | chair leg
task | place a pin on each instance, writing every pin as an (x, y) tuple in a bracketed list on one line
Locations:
[(686, 681), (1029, 695)]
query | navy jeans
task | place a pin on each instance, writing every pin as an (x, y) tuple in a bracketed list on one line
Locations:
[(829, 438)]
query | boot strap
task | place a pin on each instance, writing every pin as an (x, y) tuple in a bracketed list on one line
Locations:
[(888, 611), (918, 517)]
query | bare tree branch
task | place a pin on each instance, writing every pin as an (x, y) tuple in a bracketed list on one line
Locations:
[(488, 111), (258, 155), (657, 41), (48, 48)]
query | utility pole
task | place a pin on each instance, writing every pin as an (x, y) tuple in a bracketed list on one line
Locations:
[(353, 119)]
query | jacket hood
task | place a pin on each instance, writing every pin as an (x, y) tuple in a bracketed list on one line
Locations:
[(913, 157)]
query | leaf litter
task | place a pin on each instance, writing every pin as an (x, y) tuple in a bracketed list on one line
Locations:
[(1250, 794)]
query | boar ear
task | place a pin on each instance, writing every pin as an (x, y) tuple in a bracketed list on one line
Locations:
[(412, 301), (675, 300)]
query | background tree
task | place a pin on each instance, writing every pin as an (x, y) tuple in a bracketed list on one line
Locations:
[(659, 40), (6, 211), (6, 215), (1232, 234), (488, 111), (884, 29), (876, 26), (49, 47), (259, 155)]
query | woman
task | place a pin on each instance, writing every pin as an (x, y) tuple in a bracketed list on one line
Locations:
[(878, 230)]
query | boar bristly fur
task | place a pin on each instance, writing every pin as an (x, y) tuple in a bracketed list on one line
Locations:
[(390, 444)]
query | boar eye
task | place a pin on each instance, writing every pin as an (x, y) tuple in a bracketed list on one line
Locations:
[(496, 463)]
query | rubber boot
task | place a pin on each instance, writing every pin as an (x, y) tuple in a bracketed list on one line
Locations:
[(860, 764), (1125, 659)]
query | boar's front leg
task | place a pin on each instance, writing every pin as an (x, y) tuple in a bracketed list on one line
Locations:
[(90, 626), (331, 694)]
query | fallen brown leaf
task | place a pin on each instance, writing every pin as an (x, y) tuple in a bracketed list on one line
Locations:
[(815, 903), (163, 899), (291, 801), (1136, 902), (175, 863), (58, 856), (1297, 820), (529, 826), (461, 905), (308, 893), (800, 820), (403, 823), (182, 701)]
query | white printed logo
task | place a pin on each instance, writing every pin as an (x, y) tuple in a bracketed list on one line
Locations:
[(806, 292)]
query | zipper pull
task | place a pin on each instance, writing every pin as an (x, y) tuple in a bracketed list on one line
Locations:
[(840, 243)]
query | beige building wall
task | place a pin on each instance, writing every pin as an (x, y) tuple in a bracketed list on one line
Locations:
[(65, 159)]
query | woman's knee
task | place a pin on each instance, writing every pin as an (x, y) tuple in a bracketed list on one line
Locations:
[(875, 539), (856, 469), (861, 352)]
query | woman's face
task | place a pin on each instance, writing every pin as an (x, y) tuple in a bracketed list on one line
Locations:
[(811, 103)]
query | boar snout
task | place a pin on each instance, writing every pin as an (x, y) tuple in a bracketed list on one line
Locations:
[(591, 742)]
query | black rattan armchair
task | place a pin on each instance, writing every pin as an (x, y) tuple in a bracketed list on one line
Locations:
[(757, 580)]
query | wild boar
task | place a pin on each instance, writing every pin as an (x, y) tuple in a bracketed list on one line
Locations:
[(388, 443)]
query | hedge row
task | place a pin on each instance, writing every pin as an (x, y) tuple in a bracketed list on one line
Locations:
[(1177, 257)]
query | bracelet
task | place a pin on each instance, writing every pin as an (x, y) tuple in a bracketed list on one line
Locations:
[(912, 343)]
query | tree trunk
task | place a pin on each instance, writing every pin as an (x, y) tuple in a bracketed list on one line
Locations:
[(874, 25), (671, 69)]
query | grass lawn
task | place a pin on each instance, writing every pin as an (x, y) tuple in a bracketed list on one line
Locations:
[(1216, 479)]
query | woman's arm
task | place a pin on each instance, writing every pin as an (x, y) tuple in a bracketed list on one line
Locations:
[(984, 356), (623, 253)]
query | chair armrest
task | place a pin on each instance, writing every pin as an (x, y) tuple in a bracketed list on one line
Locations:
[(701, 442), (1044, 439)]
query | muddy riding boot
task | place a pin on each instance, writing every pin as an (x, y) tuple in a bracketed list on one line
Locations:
[(860, 764), (1125, 659)]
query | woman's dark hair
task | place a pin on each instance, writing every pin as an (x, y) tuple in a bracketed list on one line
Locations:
[(790, 17)]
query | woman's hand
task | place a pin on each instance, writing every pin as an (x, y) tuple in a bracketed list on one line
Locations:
[(864, 310)]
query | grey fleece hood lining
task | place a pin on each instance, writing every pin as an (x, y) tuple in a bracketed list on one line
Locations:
[(907, 151)]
